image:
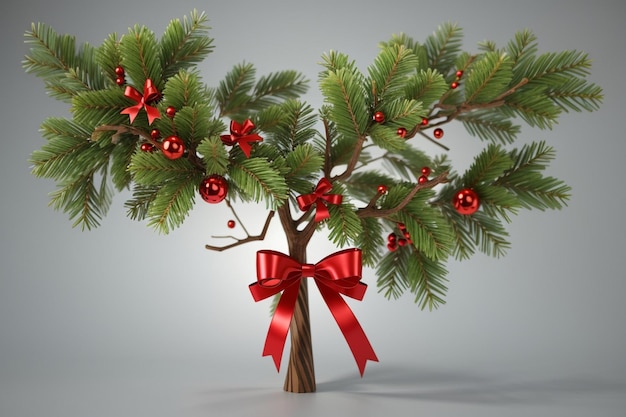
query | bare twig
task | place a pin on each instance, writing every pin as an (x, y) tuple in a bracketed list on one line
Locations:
[(371, 211), (121, 129), (248, 239)]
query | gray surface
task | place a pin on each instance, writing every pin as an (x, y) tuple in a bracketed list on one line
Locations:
[(123, 322)]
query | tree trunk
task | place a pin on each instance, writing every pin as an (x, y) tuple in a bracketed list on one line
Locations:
[(300, 371)]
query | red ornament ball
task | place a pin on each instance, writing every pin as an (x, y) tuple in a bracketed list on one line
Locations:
[(170, 112), (119, 71), (147, 147), (379, 117), (401, 132), (155, 134), (454, 85), (173, 147), (120, 80), (426, 171), (213, 189), (438, 133), (466, 201), (392, 246), (392, 238), (422, 179), (459, 74), (424, 122), (382, 189), (231, 224)]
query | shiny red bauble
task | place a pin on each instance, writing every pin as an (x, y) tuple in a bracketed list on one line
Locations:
[(382, 189), (119, 71), (401, 132), (466, 201), (438, 133), (231, 224), (172, 147), (213, 189), (379, 117), (454, 85)]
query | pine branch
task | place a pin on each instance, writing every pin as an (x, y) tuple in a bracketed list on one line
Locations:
[(389, 71), (370, 211), (489, 78), (56, 59), (172, 203), (140, 51), (185, 44)]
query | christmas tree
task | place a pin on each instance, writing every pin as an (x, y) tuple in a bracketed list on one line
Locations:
[(142, 119)]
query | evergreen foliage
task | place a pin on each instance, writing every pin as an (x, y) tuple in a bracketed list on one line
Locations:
[(416, 86)]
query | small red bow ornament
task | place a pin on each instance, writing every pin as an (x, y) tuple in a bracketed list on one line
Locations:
[(240, 134), (150, 94)]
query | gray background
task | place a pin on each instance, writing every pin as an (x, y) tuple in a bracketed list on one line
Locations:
[(121, 321)]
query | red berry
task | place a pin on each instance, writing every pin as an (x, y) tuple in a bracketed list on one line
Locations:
[(454, 85), (382, 189), (170, 112), (392, 247), (379, 117), (422, 179), (120, 80), (424, 122), (147, 147), (459, 74), (426, 171), (391, 238), (231, 224), (401, 132), (402, 242), (438, 133), (155, 134), (119, 71)]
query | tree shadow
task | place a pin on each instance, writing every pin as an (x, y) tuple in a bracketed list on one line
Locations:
[(465, 387)]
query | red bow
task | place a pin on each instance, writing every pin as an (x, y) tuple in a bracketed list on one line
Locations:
[(241, 134), (150, 94), (318, 197), (339, 273)]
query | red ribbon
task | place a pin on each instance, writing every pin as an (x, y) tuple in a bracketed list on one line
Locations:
[(240, 133), (318, 197), (339, 273), (150, 94)]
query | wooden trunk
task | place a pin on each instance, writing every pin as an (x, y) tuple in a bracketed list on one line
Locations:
[(300, 376)]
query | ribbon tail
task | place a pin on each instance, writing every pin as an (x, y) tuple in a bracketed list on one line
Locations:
[(321, 211), (246, 148), (279, 326), (352, 331), (153, 113), (132, 112)]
